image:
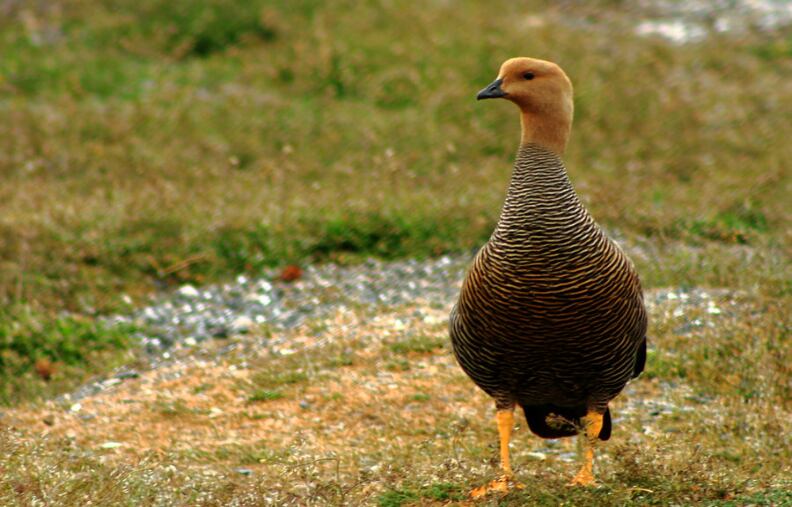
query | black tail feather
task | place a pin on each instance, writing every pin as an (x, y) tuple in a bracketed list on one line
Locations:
[(552, 421), (605, 432)]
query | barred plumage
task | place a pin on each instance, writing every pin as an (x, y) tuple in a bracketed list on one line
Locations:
[(550, 316), (551, 311)]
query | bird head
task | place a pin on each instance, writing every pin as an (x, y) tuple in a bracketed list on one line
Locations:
[(543, 92)]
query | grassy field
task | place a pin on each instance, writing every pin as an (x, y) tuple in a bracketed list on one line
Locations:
[(372, 409), (152, 143)]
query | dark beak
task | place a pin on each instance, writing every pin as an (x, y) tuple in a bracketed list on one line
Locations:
[(493, 91)]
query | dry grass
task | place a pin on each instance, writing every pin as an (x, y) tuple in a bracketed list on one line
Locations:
[(709, 425)]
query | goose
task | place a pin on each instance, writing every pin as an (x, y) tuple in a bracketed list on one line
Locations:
[(550, 316)]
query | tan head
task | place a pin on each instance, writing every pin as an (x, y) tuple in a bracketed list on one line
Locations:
[(543, 93)]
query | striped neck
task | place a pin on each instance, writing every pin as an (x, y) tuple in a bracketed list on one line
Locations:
[(540, 200), (537, 170)]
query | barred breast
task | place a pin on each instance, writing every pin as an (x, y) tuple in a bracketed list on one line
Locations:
[(551, 313)]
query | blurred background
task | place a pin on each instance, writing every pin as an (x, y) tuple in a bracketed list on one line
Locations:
[(150, 144)]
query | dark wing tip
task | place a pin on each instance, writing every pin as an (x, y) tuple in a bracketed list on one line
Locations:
[(605, 432), (640, 359)]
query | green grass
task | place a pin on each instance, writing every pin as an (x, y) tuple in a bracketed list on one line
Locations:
[(264, 395), (176, 408), (155, 143), (438, 492), (187, 142), (267, 379), (417, 345), (68, 348)]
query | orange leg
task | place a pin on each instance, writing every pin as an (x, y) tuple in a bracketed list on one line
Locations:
[(505, 420), (592, 425)]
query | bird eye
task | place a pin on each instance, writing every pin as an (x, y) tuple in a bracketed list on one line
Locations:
[(528, 75)]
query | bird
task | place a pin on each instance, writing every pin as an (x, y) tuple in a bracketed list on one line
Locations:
[(550, 315)]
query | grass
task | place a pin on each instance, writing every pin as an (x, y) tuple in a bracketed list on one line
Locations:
[(437, 492), (355, 145), (262, 395), (156, 143), (417, 345), (270, 379), (187, 142), (176, 409), (42, 356), (683, 435)]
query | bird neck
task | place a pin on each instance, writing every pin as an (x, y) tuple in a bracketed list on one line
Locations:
[(539, 174), (539, 198), (548, 129)]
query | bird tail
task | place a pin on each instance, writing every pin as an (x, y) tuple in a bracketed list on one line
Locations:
[(552, 421)]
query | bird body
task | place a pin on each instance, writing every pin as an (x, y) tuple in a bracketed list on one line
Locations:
[(550, 316)]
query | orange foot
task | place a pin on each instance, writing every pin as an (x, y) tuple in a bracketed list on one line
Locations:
[(583, 478), (501, 485)]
